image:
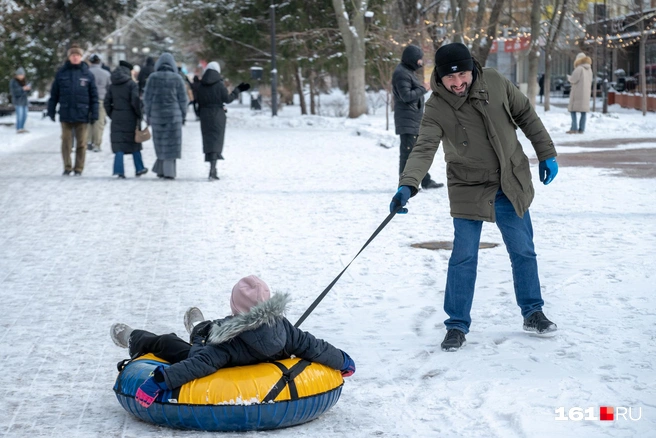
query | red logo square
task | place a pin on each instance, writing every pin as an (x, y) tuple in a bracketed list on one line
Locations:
[(606, 413)]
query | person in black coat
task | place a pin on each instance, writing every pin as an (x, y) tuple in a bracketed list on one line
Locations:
[(256, 332), (74, 89), (195, 85), (409, 106), (212, 96), (541, 85), (146, 71), (123, 106)]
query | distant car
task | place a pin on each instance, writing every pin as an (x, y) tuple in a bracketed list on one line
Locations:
[(559, 83)]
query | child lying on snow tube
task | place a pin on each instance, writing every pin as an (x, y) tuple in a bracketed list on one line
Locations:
[(256, 332)]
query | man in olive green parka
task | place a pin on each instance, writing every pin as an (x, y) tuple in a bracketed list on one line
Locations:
[(475, 113)]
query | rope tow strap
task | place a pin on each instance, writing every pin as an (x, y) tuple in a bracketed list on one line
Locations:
[(330, 286)]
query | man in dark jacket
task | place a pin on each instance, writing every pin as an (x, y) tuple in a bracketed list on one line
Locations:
[(257, 332), (146, 71), (74, 89), (123, 106), (475, 112), (409, 106)]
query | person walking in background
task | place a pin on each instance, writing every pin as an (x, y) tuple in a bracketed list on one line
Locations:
[(20, 90), (541, 85), (212, 96), (579, 95), (145, 72), (165, 104), (123, 106), (135, 74), (409, 106), (74, 89), (474, 112), (195, 85), (97, 128), (188, 85)]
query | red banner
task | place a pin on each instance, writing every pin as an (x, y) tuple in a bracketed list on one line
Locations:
[(517, 44), (495, 47)]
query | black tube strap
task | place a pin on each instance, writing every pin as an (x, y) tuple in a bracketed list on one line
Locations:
[(287, 378), (330, 286)]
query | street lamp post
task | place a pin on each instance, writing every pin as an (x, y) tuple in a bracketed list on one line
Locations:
[(274, 71), (110, 53)]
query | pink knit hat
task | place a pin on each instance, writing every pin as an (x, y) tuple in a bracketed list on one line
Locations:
[(248, 292)]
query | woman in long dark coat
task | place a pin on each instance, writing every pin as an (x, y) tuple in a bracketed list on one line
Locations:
[(212, 95), (165, 105), (123, 106)]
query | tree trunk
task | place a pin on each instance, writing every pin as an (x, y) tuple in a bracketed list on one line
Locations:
[(353, 34), (478, 25), (484, 51), (387, 107), (534, 54), (299, 89), (643, 78), (551, 38), (547, 81), (313, 108), (458, 11)]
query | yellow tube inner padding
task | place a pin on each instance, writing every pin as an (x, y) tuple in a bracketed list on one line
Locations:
[(250, 384)]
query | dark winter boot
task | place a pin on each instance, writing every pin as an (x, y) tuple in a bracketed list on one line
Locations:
[(453, 340), (538, 323), (432, 185), (120, 334), (192, 317), (213, 174)]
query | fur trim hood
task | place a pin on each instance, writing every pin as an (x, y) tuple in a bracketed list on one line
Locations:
[(583, 60), (267, 313)]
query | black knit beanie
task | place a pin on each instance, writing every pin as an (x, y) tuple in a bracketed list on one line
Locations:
[(452, 58), (126, 64)]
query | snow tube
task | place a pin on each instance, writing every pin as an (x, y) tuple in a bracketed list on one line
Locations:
[(255, 397)]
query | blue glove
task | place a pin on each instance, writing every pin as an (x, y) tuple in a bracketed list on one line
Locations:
[(150, 389), (348, 369), (548, 170), (400, 199)]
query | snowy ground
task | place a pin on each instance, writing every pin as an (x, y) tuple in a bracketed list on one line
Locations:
[(298, 197)]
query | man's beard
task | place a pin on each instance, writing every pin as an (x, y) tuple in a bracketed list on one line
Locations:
[(461, 93)]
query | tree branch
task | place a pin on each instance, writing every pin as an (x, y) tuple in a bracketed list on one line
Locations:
[(237, 42)]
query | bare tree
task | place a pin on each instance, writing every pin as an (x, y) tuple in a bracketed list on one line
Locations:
[(551, 36), (642, 56), (483, 43), (353, 33), (459, 15), (534, 53)]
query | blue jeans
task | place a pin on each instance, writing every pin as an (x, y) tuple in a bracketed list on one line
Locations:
[(119, 169), (21, 116), (517, 234), (581, 122)]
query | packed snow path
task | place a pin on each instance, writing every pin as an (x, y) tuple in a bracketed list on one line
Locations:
[(297, 199)]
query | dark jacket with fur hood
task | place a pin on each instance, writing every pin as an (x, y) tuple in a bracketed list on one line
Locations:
[(261, 335)]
